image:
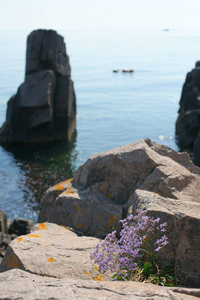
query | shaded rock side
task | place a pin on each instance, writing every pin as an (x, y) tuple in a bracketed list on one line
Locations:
[(103, 189), (188, 121), (17, 284), (44, 108)]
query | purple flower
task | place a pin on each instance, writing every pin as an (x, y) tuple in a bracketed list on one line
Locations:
[(136, 244)]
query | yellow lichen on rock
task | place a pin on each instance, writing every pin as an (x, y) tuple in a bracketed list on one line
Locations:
[(69, 191), (42, 226), (112, 220), (69, 180), (154, 193), (96, 268), (99, 278), (79, 225), (19, 239), (12, 261), (87, 273), (34, 235), (50, 259), (110, 196), (59, 186)]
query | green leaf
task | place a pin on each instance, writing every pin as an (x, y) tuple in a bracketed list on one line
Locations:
[(168, 284)]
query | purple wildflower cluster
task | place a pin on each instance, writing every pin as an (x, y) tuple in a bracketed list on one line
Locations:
[(138, 242)]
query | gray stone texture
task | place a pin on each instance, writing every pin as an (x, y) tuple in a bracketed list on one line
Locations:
[(44, 108), (105, 188)]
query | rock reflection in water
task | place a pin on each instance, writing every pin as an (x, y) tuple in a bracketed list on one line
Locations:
[(26, 173)]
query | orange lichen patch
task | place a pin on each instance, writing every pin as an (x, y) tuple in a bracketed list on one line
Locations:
[(12, 261), (53, 237), (79, 225), (87, 273), (110, 196), (42, 226), (76, 208), (34, 235), (19, 239), (50, 259), (155, 193), (98, 278), (112, 220), (96, 268), (58, 205), (69, 191), (59, 186), (68, 180)]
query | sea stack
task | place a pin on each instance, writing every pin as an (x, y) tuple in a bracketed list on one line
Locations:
[(44, 107)]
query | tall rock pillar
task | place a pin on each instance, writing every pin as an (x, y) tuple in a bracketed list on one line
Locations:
[(44, 108)]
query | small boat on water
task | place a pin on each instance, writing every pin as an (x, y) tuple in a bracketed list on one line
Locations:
[(123, 71)]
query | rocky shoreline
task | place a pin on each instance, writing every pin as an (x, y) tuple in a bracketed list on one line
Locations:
[(54, 258), (10, 230)]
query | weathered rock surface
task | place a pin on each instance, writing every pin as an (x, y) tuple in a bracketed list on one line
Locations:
[(188, 121), (52, 250), (44, 108), (105, 187), (17, 284)]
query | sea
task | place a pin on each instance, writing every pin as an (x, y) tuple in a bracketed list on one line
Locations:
[(113, 109)]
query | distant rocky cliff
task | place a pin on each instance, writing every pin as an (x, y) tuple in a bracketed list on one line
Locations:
[(44, 108)]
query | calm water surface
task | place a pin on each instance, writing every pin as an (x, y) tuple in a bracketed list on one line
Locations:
[(114, 109)]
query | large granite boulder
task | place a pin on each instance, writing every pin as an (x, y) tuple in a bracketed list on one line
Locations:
[(105, 188), (44, 108), (188, 121)]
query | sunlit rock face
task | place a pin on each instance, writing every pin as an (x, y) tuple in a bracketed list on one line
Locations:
[(44, 108)]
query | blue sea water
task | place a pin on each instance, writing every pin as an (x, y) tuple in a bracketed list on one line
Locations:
[(113, 109)]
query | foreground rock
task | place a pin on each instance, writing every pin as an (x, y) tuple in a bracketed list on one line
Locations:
[(106, 187), (53, 263), (52, 250), (44, 108), (188, 121), (17, 284)]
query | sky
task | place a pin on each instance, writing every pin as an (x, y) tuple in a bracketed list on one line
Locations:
[(99, 14)]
